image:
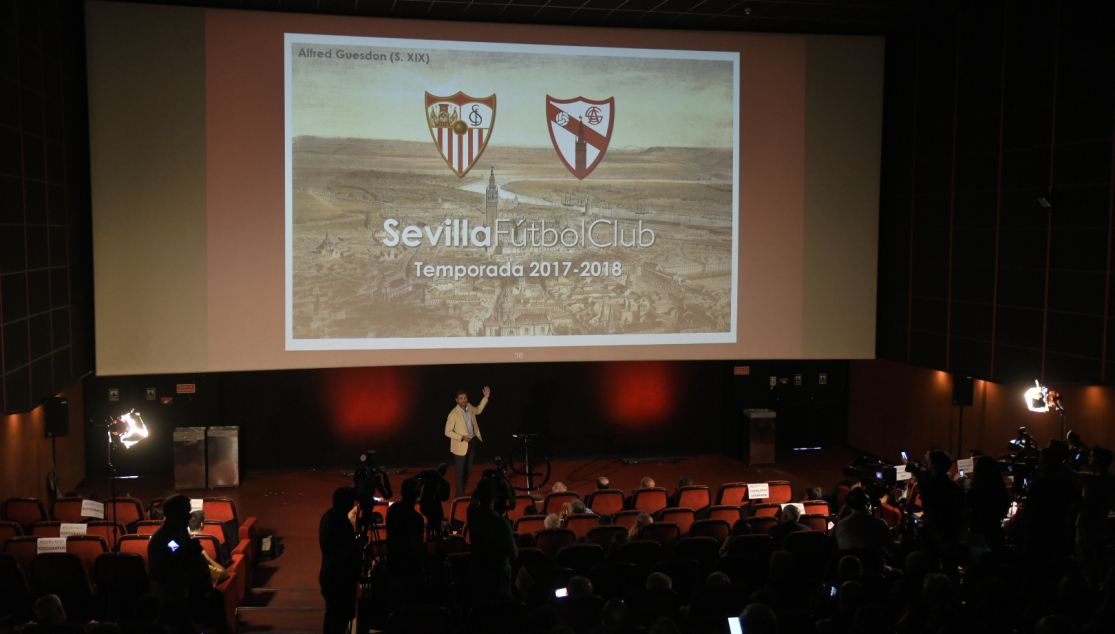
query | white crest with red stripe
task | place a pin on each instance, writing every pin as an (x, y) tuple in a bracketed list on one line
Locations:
[(461, 126), (580, 130)]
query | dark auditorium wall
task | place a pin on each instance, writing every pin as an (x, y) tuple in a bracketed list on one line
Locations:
[(308, 419), (986, 110), (46, 291), (896, 407), (25, 453)]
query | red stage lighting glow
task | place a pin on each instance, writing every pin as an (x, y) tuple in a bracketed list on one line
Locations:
[(365, 401), (639, 393)]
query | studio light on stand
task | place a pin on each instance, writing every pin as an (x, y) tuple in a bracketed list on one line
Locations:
[(126, 430), (1040, 399)]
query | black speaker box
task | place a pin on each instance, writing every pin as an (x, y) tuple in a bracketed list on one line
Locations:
[(56, 414), (963, 390)]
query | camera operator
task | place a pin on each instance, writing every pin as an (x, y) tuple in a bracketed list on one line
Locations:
[(341, 560), (942, 502), (435, 490), (1099, 501), (1053, 499), (493, 545), (406, 553), (988, 503)]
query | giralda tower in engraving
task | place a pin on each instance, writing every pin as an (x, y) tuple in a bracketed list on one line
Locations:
[(491, 201)]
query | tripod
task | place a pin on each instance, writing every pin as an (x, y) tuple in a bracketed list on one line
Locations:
[(524, 462)]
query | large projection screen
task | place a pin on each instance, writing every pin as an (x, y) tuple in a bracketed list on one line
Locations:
[(278, 191)]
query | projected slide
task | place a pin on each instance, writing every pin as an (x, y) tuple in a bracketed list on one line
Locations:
[(456, 194)]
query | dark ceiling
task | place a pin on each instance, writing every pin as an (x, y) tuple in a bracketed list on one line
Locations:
[(850, 17)]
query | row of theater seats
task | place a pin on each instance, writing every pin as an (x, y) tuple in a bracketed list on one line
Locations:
[(624, 574), (653, 500), (127, 511), (103, 571)]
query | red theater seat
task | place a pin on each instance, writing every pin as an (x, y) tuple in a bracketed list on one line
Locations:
[(127, 511), (603, 535), (729, 514), (147, 527), (68, 510), (694, 497), (111, 531), (732, 494), (24, 511), (626, 519), (664, 533), (650, 500), (135, 545), (780, 493), (768, 510), (530, 524), (606, 501), (717, 529), (555, 502), (762, 525), (683, 517), (581, 523)]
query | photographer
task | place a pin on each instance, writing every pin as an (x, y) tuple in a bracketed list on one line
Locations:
[(493, 545), (943, 506), (180, 572), (341, 560)]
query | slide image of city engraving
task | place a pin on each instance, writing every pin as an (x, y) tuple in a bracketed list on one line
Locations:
[(364, 158)]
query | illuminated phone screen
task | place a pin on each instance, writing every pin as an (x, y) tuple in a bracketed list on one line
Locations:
[(733, 625)]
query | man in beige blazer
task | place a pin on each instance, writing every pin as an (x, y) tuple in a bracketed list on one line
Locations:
[(462, 428)]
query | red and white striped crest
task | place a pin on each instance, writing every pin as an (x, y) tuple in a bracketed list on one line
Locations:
[(461, 126)]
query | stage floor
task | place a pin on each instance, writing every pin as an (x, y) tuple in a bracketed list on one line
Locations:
[(288, 506)]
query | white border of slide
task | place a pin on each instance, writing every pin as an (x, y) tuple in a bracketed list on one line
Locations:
[(417, 343)]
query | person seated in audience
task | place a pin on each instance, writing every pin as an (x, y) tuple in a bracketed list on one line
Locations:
[(580, 586), (849, 566), (663, 625), (575, 506), (641, 520), (197, 522), (603, 483), (559, 487), (850, 480), (553, 520), (146, 618), (618, 540), (675, 497), (531, 509), (646, 483), (861, 529), (741, 527), (788, 524), (50, 618), (757, 618), (718, 578), (813, 493), (616, 618), (659, 581)]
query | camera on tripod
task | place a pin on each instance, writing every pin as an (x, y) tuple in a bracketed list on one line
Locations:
[(367, 481), (504, 492)]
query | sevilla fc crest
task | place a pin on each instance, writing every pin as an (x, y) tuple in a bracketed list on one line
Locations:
[(461, 126), (580, 129)]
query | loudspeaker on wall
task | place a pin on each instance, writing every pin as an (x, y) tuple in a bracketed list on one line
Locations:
[(963, 390), (56, 416)]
